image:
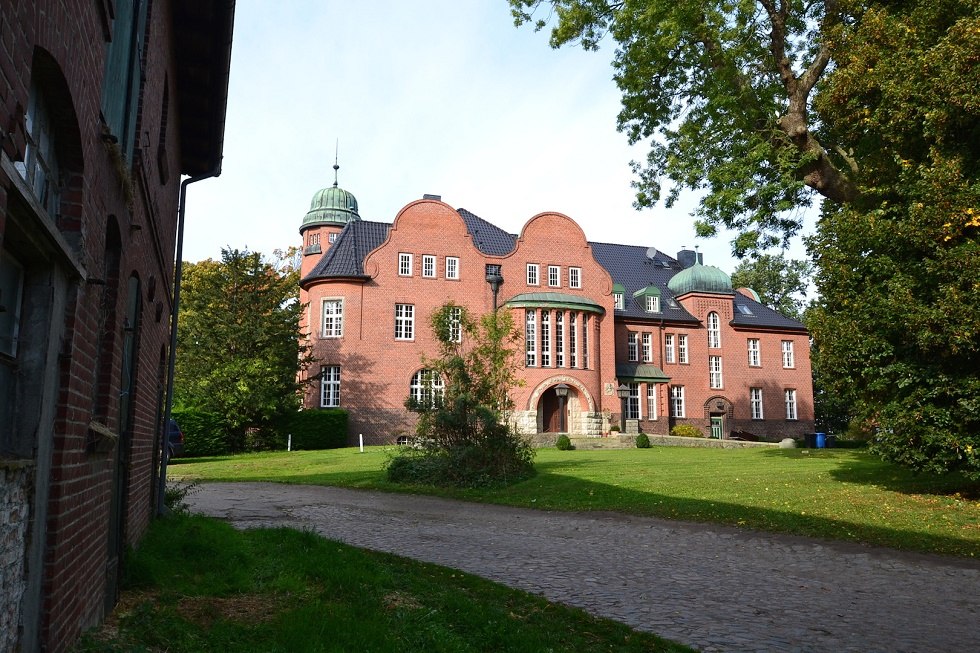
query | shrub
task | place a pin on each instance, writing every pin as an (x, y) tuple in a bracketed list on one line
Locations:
[(614, 428), (205, 433), (317, 429), (563, 443), (686, 431), (464, 466), (642, 441)]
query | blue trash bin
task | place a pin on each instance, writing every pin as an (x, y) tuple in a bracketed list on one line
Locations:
[(821, 440)]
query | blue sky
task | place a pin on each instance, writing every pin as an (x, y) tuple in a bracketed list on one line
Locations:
[(429, 96)]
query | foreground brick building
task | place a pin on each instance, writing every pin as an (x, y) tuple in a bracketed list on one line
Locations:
[(104, 104), (600, 319)]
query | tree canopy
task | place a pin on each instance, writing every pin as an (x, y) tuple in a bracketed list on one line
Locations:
[(781, 283), (238, 345)]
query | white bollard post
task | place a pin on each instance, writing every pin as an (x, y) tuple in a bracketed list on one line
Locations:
[(360, 437), (289, 442)]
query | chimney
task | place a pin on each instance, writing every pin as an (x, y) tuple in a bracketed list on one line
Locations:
[(429, 196)]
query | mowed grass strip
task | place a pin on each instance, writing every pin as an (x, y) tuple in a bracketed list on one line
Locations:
[(196, 584), (842, 494)]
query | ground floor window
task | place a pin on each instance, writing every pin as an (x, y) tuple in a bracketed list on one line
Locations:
[(633, 401), (677, 401), (652, 401), (790, 404), (427, 388), (755, 402), (330, 386)]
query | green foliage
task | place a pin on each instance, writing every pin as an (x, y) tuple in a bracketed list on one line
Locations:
[(175, 496), (563, 443), (238, 347), (686, 431), (318, 429), (463, 427), (204, 432), (898, 327), (780, 282), (642, 441)]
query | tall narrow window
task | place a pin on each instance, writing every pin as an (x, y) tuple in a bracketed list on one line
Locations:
[(455, 324), (585, 341), (428, 266), (333, 318), (677, 401), (647, 348), (790, 404), (755, 359), (545, 338), (330, 386), (714, 372), (560, 339), (532, 274), (314, 239), (574, 277), (755, 402), (633, 401), (669, 348), (714, 331), (682, 349), (618, 302), (123, 73), (652, 411), (531, 339), (452, 267), (554, 276), (788, 360), (404, 264), (573, 339), (404, 321), (632, 348), (40, 165)]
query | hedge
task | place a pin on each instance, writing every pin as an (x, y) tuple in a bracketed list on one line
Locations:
[(204, 432), (318, 429)]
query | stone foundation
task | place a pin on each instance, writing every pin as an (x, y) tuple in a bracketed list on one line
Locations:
[(15, 490)]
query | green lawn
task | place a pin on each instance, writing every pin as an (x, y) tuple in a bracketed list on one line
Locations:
[(840, 494), (197, 585)]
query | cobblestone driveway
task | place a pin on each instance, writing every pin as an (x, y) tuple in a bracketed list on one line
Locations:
[(710, 587)]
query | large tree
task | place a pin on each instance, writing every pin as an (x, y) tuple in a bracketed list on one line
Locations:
[(238, 345), (781, 283)]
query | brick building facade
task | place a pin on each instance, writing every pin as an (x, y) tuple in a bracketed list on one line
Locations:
[(104, 105), (599, 318)]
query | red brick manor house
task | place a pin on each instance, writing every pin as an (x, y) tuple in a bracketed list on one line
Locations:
[(599, 320)]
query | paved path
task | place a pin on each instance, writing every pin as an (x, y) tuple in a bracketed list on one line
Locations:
[(711, 587)]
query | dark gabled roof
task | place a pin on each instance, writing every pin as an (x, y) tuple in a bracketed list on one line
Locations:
[(760, 315), (345, 258), (489, 239), (631, 268)]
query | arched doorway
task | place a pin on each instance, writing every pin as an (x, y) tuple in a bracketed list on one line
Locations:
[(551, 408)]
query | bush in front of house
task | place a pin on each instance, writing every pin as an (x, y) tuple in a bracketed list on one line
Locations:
[(686, 431), (205, 433), (563, 443), (642, 441), (317, 429)]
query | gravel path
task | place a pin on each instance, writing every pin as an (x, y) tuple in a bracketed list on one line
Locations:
[(711, 587)]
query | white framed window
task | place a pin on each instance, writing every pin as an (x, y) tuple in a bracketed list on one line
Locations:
[(574, 277), (633, 401), (428, 266), (545, 338), (755, 356), (647, 348), (652, 304), (427, 388), (677, 401), (402, 440), (554, 276), (332, 238), (330, 386), (573, 339), (452, 267), (790, 404), (532, 274), (314, 239), (788, 358), (755, 402), (618, 302), (682, 349), (560, 339), (585, 342), (652, 411), (714, 330), (669, 348), (714, 372), (531, 338), (632, 347), (404, 264), (404, 321), (456, 324), (332, 324)]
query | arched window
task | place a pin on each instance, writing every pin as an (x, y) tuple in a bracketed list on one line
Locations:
[(427, 388), (714, 330)]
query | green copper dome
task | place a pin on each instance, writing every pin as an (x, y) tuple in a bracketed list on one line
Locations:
[(331, 206), (700, 278)]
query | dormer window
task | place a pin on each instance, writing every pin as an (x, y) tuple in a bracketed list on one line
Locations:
[(649, 298), (618, 301), (652, 304)]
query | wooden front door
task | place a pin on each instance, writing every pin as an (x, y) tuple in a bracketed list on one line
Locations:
[(550, 417)]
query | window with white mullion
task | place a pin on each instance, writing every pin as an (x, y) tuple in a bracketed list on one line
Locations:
[(677, 401), (714, 372), (428, 266), (560, 339), (632, 348), (530, 339), (452, 267), (790, 397), (669, 348), (532, 274), (788, 358), (652, 411), (755, 402), (633, 402), (682, 349), (404, 321), (647, 348), (545, 338), (404, 264), (573, 339), (554, 276), (755, 359), (585, 341), (333, 318), (714, 331), (574, 277), (330, 386)]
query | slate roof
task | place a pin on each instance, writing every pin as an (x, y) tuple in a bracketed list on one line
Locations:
[(760, 315), (345, 258), (488, 238)]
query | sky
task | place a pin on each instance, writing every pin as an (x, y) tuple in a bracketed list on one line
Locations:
[(445, 97)]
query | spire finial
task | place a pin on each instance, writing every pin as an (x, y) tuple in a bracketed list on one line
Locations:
[(336, 167)]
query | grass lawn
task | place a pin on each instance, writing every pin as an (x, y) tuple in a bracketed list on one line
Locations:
[(197, 585), (843, 494)]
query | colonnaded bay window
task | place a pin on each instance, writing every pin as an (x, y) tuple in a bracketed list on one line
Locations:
[(427, 388), (790, 404), (330, 386), (677, 401), (404, 321), (755, 356), (573, 340), (531, 338), (452, 267), (632, 347), (652, 412), (545, 338), (788, 358), (560, 339), (585, 341), (633, 401), (714, 330), (333, 318), (755, 402)]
